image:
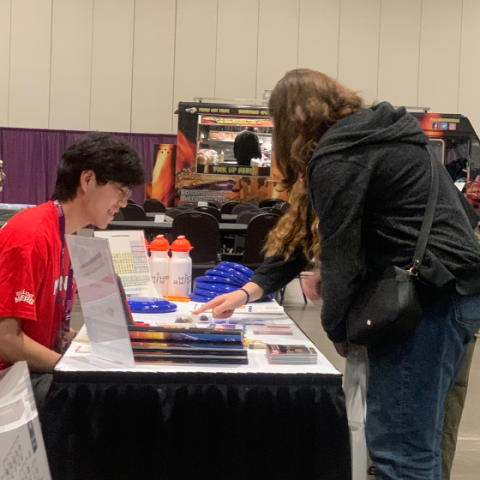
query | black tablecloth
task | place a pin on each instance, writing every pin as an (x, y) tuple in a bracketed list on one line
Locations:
[(199, 429)]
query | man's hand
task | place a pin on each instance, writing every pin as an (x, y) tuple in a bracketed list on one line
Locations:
[(341, 348), (16, 346), (70, 336)]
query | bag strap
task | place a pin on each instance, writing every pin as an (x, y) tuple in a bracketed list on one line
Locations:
[(428, 217)]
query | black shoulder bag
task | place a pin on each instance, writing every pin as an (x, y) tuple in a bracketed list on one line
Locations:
[(387, 310)]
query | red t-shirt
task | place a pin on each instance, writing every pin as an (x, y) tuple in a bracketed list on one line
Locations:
[(30, 284)]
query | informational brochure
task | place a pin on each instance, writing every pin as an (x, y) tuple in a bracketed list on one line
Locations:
[(130, 259), (100, 297), (22, 451)]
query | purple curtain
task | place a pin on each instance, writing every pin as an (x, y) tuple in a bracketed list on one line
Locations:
[(31, 156)]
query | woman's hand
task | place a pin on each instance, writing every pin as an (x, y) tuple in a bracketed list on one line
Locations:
[(224, 305), (341, 348), (311, 285)]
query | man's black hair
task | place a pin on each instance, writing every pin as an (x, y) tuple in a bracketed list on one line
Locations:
[(110, 157)]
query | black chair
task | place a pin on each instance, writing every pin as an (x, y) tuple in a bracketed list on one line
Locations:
[(215, 204), (201, 230), (271, 210), (118, 217), (215, 212), (131, 202), (243, 206), (154, 205), (173, 212), (282, 206), (270, 202), (133, 213), (187, 205), (245, 216), (226, 208), (255, 238)]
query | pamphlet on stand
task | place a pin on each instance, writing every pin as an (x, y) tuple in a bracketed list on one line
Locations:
[(130, 260), (102, 305), (22, 451)]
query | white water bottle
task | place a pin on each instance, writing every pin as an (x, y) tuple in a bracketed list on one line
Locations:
[(180, 276), (160, 264)]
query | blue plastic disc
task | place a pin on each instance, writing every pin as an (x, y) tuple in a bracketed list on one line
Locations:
[(206, 293), (200, 298), (217, 279), (237, 266), (231, 274), (231, 271), (150, 305), (217, 287)]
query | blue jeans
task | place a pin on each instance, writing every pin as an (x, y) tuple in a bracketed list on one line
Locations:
[(408, 385)]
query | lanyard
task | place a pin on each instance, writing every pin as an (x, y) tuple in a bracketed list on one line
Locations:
[(69, 293)]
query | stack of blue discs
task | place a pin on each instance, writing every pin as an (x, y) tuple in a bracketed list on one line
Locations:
[(150, 305), (224, 278)]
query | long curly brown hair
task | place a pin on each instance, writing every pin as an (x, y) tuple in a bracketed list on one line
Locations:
[(304, 104)]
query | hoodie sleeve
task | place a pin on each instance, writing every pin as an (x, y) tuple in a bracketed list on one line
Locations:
[(276, 272), (338, 187)]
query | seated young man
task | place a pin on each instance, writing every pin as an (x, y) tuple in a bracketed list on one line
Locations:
[(36, 280)]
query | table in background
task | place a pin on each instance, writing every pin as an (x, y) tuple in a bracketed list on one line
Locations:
[(8, 210), (226, 217), (162, 227), (245, 422)]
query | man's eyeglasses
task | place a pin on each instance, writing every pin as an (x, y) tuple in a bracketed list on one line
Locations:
[(125, 193)]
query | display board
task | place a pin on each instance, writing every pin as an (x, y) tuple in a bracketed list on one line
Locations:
[(457, 134), (208, 165), (102, 305), (22, 451), (162, 186), (130, 259)]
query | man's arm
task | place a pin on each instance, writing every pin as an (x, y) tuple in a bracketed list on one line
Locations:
[(16, 346)]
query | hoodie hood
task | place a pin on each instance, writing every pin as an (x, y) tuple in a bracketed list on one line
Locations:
[(376, 125)]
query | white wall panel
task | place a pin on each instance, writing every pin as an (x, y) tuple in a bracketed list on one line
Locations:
[(358, 50), (399, 51), (30, 63), (318, 35), (195, 51), (277, 41), (112, 58), (153, 61), (469, 97), (236, 64), (72, 24), (4, 60), (440, 55)]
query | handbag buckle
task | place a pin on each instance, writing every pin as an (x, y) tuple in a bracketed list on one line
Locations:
[(413, 272)]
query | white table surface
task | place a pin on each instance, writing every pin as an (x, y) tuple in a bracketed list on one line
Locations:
[(76, 361)]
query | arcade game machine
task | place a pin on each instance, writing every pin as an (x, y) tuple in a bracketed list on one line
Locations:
[(212, 164), (456, 144)]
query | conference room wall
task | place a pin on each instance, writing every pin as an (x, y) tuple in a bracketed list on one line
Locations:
[(123, 65)]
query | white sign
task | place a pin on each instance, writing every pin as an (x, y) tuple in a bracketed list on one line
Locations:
[(102, 305), (130, 259), (22, 451)]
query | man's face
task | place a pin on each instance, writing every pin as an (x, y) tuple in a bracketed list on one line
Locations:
[(103, 201)]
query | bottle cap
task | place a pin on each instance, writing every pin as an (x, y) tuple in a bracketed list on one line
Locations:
[(160, 244), (181, 244)]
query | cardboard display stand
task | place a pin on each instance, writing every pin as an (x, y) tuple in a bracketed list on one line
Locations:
[(22, 451)]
